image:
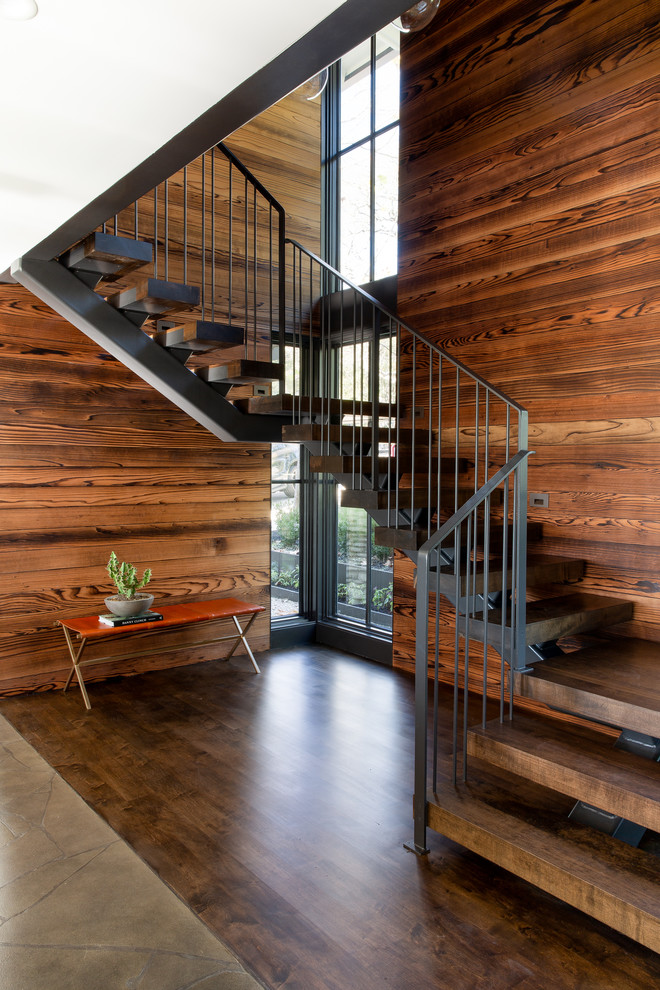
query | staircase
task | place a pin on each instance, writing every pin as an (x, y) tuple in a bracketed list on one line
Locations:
[(258, 339)]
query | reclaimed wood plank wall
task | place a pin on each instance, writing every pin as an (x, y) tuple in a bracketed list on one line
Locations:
[(94, 459), (529, 246)]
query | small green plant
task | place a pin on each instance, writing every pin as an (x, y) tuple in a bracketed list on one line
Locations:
[(125, 578)]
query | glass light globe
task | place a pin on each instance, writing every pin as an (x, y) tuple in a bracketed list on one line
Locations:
[(417, 16), (314, 86), (18, 10)]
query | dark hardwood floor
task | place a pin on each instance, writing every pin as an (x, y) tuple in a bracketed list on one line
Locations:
[(277, 807)]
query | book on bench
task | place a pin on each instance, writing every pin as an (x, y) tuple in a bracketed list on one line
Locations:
[(109, 619)]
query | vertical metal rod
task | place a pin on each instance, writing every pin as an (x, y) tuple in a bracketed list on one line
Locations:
[(457, 644), (213, 261), (256, 268), (414, 432), (246, 242), (398, 418), (505, 561), (156, 232), (436, 671), (185, 224), (466, 665), (294, 318), (203, 234), (421, 700), (231, 242), (116, 225), (166, 235), (456, 438), (429, 466), (438, 447), (136, 219), (486, 568), (270, 287)]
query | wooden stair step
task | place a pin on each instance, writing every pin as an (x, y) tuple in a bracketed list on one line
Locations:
[(241, 372), (616, 683), (281, 404), (334, 433), (521, 827), (574, 760), (151, 297), (552, 618), (540, 570), (107, 256), (405, 538), (346, 464), (200, 336), (417, 498)]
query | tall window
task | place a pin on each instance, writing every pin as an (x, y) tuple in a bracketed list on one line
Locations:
[(361, 159)]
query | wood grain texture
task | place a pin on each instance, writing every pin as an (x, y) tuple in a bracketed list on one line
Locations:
[(528, 247)]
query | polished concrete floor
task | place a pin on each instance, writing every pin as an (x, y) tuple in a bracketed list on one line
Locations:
[(78, 908)]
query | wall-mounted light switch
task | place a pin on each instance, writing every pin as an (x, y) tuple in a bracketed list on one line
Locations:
[(538, 501)]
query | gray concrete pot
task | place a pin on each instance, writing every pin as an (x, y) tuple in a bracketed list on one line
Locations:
[(129, 606)]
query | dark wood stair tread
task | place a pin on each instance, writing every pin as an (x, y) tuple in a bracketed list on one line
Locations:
[(540, 570), (200, 336), (155, 297), (417, 498), (577, 761), (616, 682), (333, 433), (283, 403), (521, 827), (405, 538), (241, 372), (552, 618), (108, 256)]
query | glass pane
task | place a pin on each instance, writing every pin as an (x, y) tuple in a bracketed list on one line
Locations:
[(352, 563), (387, 77), (285, 549), (356, 94), (355, 214), (382, 564), (285, 462), (354, 370), (292, 370), (387, 367), (386, 203)]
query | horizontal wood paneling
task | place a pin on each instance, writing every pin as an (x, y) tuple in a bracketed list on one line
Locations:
[(529, 245), (83, 475)]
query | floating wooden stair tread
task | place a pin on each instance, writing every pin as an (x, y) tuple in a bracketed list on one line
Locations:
[(281, 404), (405, 538), (616, 683), (155, 297), (521, 827), (200, 336), (540, 570), (107, 256), (241, 372), (553, 618), (576, 761), (346, 464), (417, 498), (335, 434)]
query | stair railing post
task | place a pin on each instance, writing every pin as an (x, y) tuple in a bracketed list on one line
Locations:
[(375, 374), (418, 844)]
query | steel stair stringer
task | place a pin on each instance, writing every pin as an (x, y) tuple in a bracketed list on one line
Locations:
[(88, 312)]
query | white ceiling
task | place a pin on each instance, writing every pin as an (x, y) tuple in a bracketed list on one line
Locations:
[(88, 90)]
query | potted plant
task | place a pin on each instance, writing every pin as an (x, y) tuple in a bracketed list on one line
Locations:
[(129, 600)]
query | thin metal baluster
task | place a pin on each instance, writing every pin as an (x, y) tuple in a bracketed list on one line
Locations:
[(340, 372), (203, 234), (466, 668), (436, 692), (456, 438), (185, 224), (457, 644), (413, 448), (398, 421), (256, 272), (246, 244), (505, 556), (294, 318), (476, 438), (136, 219), (156, 232), (231, 242), (213, 262), (116, 226), (270, 282), (439, 448), (486, 577), (167, 230), (429, 470)]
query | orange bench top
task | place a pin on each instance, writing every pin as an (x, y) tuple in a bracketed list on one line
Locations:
[(90, 626)]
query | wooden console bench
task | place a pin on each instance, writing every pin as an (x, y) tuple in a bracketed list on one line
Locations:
[(90, 629)]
